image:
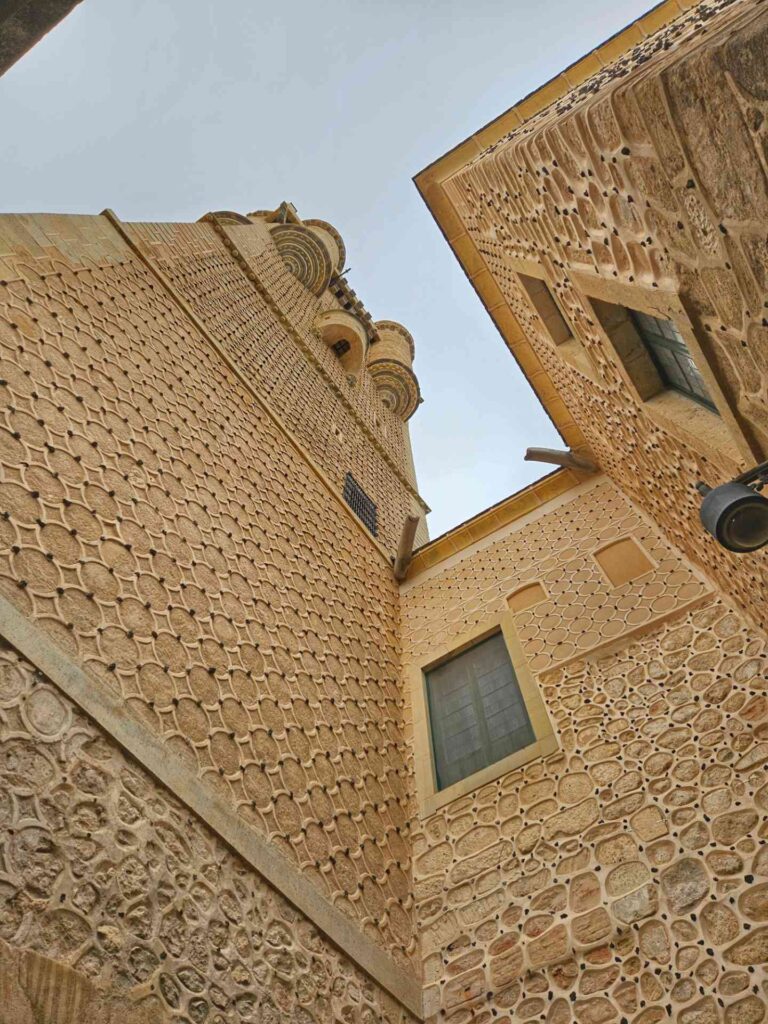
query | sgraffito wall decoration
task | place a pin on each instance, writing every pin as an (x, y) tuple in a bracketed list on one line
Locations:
[(625, 876), (163, 531), (119, 905)]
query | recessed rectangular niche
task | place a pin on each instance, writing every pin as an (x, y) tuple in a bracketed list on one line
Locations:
[(623, 561), (557, 327), (526, 597), (545, 305)]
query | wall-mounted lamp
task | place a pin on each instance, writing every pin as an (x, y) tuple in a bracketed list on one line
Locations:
[(735, 513)]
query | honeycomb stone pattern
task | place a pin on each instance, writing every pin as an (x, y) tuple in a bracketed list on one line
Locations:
[(166, 535), (195, 260), (633, 178), (582, 611), (624, 878), (104, 872)]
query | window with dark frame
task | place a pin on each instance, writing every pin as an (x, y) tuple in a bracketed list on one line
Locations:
[(363, 506), (477, 713), (671, 357)]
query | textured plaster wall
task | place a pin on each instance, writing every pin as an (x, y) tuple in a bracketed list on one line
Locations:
[(624, 877), (652, 174), (167, 536), (121, 906), (553, 548)]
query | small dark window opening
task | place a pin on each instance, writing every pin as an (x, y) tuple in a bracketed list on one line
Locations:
[(363, 506), (477, 713), (341, 348), (672, 357)]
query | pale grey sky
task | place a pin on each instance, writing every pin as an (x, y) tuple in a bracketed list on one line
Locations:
[(165, 109)]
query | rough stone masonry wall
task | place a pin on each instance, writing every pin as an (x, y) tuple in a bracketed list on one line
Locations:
[(625, 877), (196, 261), (651, 173), (121, 906), (161, 529)]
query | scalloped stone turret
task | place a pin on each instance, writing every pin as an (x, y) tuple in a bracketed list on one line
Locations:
[(389, 363)]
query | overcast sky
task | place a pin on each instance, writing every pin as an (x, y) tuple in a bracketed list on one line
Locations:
[(165, 109)]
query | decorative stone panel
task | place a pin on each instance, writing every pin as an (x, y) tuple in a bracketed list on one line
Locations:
[(121, 906)]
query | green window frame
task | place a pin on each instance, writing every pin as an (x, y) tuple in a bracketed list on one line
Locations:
[(477, 713), (671, 357)]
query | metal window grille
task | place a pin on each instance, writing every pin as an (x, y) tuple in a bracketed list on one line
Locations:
[(671, 357), (476, 711), (341, 348), (363, 506)]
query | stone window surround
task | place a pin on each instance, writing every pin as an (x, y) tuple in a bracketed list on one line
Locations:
[(673, 412), (429, 798)]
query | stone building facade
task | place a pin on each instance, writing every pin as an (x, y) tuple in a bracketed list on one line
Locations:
[(221, 799), (184, 556), (620, 875)]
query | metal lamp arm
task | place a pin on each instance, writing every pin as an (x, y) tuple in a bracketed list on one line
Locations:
[(757, 473)]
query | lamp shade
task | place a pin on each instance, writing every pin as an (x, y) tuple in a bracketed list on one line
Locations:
[(736, 516)]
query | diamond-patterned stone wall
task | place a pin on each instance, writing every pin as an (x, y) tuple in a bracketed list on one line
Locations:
[(165, 534)]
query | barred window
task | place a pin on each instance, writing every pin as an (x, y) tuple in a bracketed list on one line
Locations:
[(363, 506), (476, 710)]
